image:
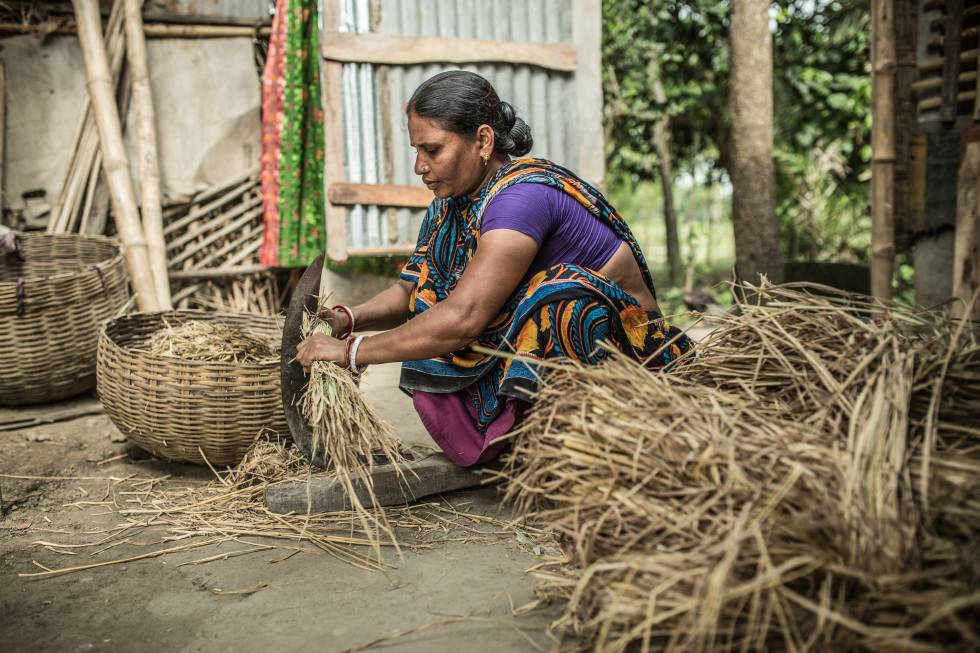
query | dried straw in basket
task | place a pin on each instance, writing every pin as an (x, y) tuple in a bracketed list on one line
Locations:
[(347, 431), (213, 341), (810, 481)]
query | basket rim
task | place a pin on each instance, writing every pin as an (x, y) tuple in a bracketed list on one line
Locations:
[(62, 276), (132, 351)]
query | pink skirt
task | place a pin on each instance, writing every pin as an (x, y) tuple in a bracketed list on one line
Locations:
[(451, 421)]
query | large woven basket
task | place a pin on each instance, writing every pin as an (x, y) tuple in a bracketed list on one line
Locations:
[(53, 301), (187, 410)]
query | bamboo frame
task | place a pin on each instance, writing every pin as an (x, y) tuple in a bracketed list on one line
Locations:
[(149, 165), (102, 96), (882, 148), (587, 39)]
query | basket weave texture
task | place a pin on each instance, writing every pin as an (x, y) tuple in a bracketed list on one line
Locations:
[(53, 302), (178, 409)]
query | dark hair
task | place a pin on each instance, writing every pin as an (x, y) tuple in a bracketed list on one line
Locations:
[(461, 101)]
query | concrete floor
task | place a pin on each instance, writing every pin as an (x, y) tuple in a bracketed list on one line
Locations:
[(255, 602)]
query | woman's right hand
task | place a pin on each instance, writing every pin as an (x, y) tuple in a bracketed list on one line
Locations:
[(338, 320)]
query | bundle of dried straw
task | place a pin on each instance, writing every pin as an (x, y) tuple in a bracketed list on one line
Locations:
[(347, 432), (810, 481)]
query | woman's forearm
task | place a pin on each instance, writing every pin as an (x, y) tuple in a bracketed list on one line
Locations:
[(386, 310), (438, 331)]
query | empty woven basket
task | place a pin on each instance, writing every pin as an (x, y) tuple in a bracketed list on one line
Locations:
[(53, 301), (186, 410)]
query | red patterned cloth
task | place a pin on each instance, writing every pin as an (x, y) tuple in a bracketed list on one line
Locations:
[(273, 87)]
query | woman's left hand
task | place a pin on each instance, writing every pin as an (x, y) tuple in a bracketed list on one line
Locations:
[(319, 347)]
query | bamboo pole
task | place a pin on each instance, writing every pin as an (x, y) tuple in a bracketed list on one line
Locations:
[(102, 96), (146, 139), (882, 147)]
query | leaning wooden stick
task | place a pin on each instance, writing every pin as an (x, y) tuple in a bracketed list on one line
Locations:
[(125, 212), (147, 148)]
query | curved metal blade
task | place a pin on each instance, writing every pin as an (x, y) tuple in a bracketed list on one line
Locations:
[(292, 377)]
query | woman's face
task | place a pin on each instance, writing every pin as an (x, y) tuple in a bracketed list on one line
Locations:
[(450, 164)]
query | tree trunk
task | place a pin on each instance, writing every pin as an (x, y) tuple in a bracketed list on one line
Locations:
[(753, 193), (146, 139), (661, 145), (103, 99), (882, 148), (966, 252)]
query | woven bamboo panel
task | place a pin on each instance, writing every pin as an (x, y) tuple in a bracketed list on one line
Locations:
[(52, 305), (180, 409)]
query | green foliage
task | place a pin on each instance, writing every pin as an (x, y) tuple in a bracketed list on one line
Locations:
[(821, 95)]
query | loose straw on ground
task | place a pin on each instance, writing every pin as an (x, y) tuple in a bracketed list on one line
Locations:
[(231, 509)]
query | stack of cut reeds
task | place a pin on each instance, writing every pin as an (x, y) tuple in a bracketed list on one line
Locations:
[(213, 245), (810, 481)]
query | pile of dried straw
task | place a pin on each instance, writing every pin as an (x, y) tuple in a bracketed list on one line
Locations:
[(811, 481)]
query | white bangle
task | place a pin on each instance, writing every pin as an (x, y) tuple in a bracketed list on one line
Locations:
[(353, 356)]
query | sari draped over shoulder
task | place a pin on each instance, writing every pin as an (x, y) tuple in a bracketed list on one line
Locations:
[(563, 311)]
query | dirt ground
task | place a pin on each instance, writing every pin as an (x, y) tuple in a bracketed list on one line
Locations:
[(248, 603)]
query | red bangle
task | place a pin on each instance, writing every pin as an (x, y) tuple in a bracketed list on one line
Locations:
[(350, 320)]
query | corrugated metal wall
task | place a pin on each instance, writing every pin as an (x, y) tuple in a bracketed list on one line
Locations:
[(377, 148)]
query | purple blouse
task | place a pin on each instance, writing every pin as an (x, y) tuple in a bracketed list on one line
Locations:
[(564, 229)]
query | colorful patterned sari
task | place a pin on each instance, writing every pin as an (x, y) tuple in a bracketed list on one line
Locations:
[(562, 312)]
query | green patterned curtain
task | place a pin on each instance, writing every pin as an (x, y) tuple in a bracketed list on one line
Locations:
[(301, 208)]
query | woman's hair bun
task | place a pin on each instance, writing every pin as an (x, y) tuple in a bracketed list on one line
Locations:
[(519, 138), (516, 137), (462, 101)]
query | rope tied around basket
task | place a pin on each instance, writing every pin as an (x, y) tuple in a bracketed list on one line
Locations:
[(21, 297), (105, 285)]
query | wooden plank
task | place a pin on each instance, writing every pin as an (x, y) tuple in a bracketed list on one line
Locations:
[(217, 273), (966, 247), (333, 134), (393, 49), (346, 194), (389, 250), (590, 160), (951, 59)]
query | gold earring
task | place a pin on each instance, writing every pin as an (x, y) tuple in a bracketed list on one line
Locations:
[(486, 158)]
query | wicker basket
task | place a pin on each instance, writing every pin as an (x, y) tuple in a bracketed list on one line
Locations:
[(53, 301), (175, 408)]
